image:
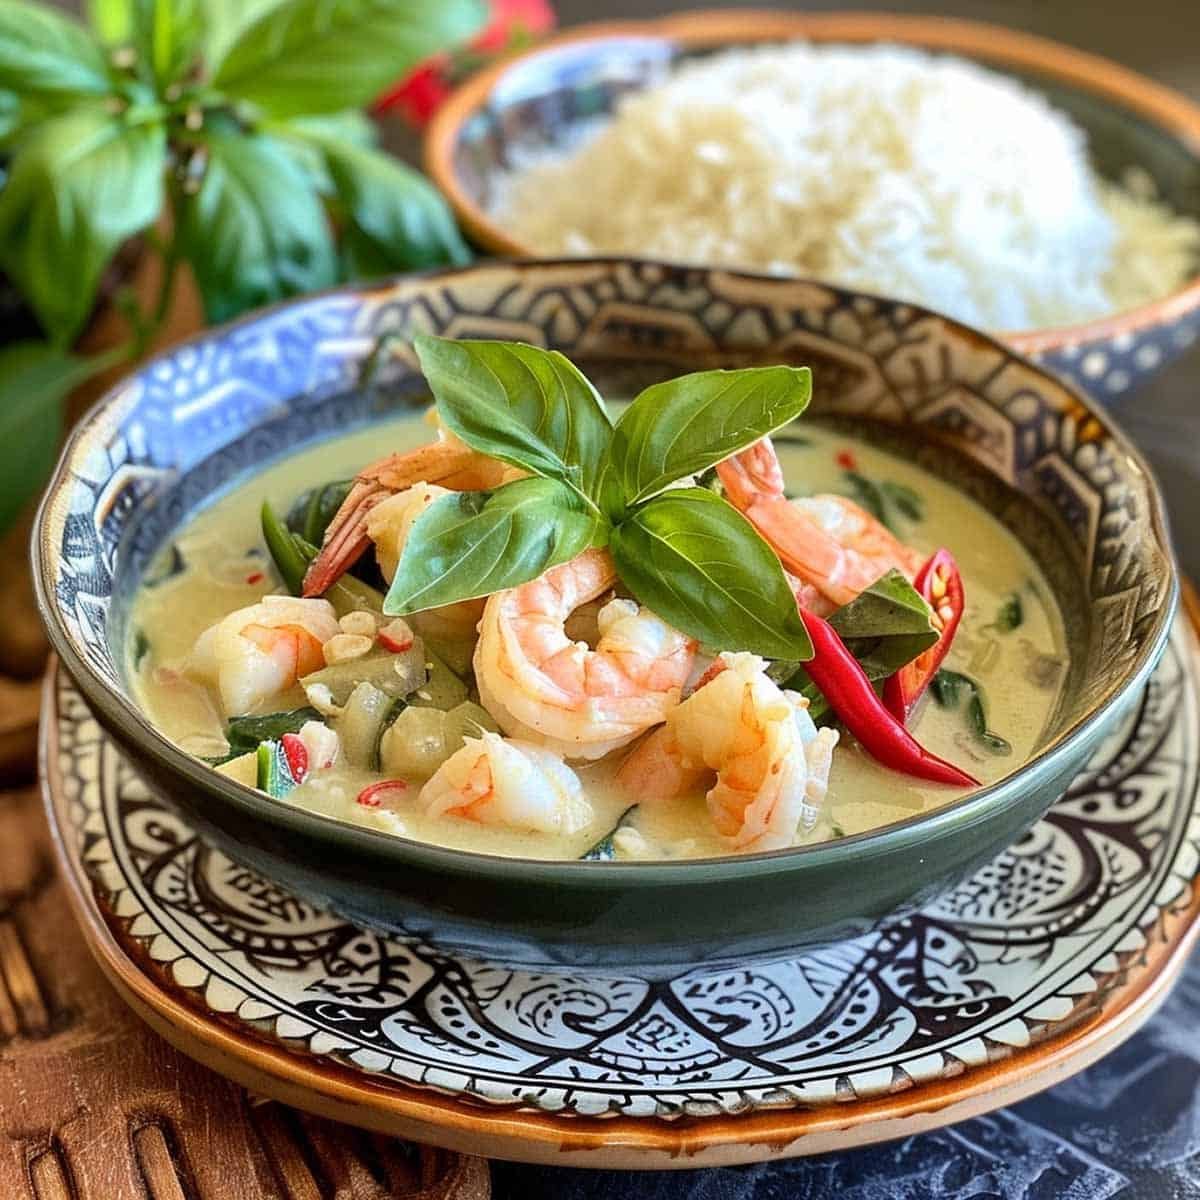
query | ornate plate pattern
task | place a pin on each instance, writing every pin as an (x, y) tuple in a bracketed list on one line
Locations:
[(1035, 940)]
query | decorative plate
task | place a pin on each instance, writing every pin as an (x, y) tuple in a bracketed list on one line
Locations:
[(1047, 957)]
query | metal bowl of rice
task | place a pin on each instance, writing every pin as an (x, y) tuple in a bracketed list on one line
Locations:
[(1018, 185)]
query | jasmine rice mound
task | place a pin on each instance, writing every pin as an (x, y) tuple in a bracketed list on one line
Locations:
[(883, 168)]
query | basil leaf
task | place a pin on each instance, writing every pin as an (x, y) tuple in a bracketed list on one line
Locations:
[(35, 378), (521, 404), (399, 218), (475, 543), (81, 183), (678, 428), (604, 850), (246, 733), (1011, 613), (948, 688), (698, 563), (44, 52), (309, 56), (885, 626), (256, 231)]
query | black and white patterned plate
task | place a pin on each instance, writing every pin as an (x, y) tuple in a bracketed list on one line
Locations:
[(1042, 933)]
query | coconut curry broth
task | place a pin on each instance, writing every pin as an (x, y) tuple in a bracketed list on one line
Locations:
[(1010, 644)]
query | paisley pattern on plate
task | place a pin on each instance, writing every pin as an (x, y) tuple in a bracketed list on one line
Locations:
[(1033, 940)]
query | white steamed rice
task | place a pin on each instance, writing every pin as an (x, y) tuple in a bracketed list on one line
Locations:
[(883, 168)]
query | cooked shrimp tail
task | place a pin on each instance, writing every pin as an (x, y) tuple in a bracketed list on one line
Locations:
[(447, 462)]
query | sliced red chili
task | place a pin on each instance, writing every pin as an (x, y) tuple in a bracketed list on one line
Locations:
[(940, 584), (296, 753), (845, 685), (373, 795)]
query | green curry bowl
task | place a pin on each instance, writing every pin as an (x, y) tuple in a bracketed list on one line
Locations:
[(202, 418)]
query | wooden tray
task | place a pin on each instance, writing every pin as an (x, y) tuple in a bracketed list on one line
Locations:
[(94, 1106)]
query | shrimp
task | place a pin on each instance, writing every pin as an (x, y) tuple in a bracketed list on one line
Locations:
[(771, 761), (258, 652), (447, 462), (582, 703), (388, 525), (498, 781), (828, 542)]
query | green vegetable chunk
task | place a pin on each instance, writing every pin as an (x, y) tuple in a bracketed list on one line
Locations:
[(274, 774)]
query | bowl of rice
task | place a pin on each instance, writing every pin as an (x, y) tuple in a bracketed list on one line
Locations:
[(1015, 184)]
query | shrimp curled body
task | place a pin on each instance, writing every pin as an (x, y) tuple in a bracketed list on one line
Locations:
[(259, 652), (834, 548), (498, 781), (581, 702), (771, 762)]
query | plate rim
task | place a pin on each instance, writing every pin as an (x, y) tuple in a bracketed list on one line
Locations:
[(336, 1091)]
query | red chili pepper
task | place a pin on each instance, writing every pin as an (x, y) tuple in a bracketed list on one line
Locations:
[(255, 577), (846, 460), (845, 685), (372, 795), (940, 583), (296, 753)]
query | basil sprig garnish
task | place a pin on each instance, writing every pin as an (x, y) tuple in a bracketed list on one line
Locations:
[(471, 544), (681, 427), (685, 553)]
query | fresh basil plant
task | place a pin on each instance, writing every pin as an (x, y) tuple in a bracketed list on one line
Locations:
[(228, 135), (683, 551)]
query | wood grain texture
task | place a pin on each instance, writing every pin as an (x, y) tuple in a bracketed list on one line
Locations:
[(94, 1106)]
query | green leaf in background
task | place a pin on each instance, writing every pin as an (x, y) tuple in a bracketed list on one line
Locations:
[(325, 55), (521, 404), (698, 563), (475, 543), (400, 220), (304, 136), (111, 20), (168, 35), (10, 118), (224, 22), (83, 182), (256, 231), (43, 52), (35, 378), (680, 427), (886, 626)]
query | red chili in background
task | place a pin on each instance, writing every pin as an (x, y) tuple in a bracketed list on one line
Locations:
[(845, 685), (296, 753), (940, 585)]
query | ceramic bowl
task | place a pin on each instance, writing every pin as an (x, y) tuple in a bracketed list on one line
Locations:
[(539, 98), (201, 417)]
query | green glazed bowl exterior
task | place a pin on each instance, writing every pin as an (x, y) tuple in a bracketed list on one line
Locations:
[(200, 418)]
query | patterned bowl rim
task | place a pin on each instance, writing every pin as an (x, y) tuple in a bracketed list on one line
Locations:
[(1167, 110), (121, 710)]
